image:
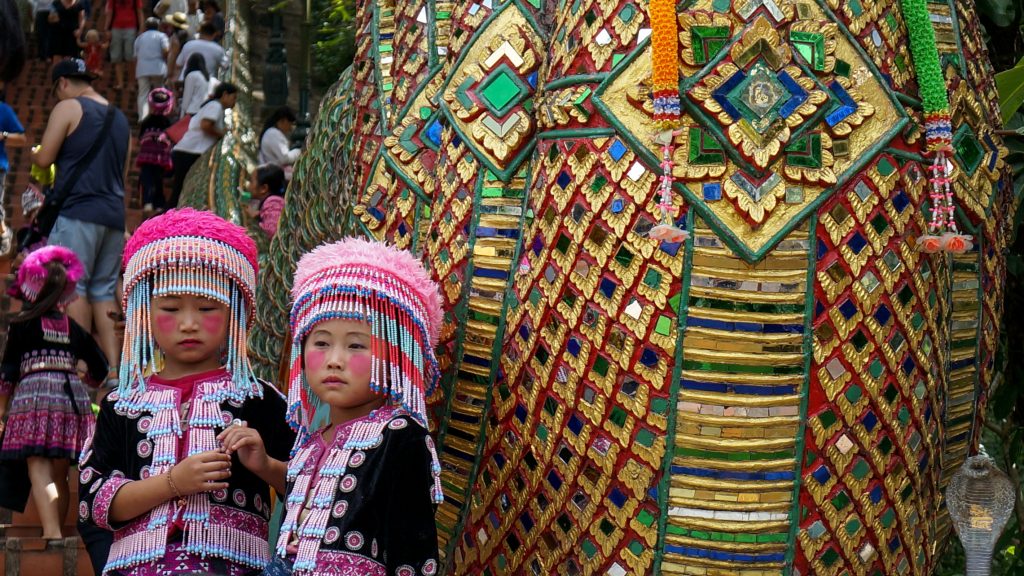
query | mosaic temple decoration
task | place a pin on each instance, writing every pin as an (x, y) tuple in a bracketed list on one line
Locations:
[(786, 388)]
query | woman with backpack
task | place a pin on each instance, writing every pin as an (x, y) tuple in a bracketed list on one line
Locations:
[(154, 159)]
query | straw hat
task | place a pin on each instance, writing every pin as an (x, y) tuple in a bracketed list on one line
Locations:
[(179, 20)]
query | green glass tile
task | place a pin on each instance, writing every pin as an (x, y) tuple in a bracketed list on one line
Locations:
[(674, 300), (721, 6), (907, 491), (829, 557), (624, 257), (880, 223), (590, 17), (598, 183), (707, 41), (920, 389), (859, 340), (535, 297), (659, 405), (504, 392), (542, 355), (861, 469), (645, 437), (606, 527), (616, 58), (891, 393), (917, 320), (588, 548), (627, 13), (542, 432), (746, 538), (888, 517), (840, 500), (551, 406), (618, 416), (856, 8), (645, 518), (903, 415), (876, 368), (794, 195), (853, 394), (664, 325), (425, 112), (885, 167), (853, 526), (885, 446), (500, 89), (741, 368), (502, 562), (652, 278), (869, 281), (601, 365), (905, 295), (732, 456), (843, 68), (827, 419), (563, 243), (636, 548)]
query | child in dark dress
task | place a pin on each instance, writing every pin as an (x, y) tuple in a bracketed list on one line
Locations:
[(47, 405), (361, 489)]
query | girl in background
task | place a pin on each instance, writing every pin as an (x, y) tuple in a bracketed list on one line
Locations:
[(47, 405), (267, 185)]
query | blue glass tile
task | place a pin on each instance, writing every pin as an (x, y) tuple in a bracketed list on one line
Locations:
[(617, 497), (402, 229), (555, 480), (538, 245), (869, 421), (434, 133), (894, 545), (476, 360), (712, 191), (490, 273), (799, 95), (524, 332), (493, 517), (848, 309), (723, 556), (375, 212), (617, 205), (821, 475), (857, 242), (731, 475), (875, 494), (607, 287), (909, 365), (521, 413), (722, 94), (575, 424), (671, 248), (822, 248), (532, 80), (563, 179), (487, 232), (962, 363), (617, 150), (649, 358), (882, 315), (819, 308), (526, 521), (900, 201), (574, 346), (499, 459), (456, 141), (923, 463)]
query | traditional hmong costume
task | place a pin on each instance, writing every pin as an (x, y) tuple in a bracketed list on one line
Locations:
[(50, 414), (150, 424), (363, 503)]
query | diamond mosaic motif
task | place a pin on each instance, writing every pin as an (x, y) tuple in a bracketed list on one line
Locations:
[(501, 90)]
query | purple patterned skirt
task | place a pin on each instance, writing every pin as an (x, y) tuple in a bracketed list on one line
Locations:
[(49, 416)]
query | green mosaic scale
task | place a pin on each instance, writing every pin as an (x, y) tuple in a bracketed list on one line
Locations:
[(786, 392)]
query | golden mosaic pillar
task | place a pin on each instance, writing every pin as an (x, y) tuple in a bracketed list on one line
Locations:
[(788, 391)]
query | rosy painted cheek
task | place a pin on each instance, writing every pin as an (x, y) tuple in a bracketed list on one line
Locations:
[(359, 365), (212, 323), (165, 323), (314, 360)]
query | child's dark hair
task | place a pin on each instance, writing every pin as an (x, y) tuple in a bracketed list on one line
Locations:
[(272, 176), (49, 295), (221, 89)]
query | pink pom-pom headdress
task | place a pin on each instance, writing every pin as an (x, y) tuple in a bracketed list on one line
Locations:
[(357, 279), (32, 274), (188, 252)]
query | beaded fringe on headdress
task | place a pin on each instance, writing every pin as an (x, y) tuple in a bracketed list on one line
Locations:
[(187, 252)]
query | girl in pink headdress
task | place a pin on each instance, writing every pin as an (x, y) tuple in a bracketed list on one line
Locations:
[(47, 405), (170, 469), (362, 487)]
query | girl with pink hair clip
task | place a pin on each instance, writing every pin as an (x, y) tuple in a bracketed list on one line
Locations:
[(42, 396)]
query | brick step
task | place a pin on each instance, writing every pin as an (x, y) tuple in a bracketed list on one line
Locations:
[(33, 556)]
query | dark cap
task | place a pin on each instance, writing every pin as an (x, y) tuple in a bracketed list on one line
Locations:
[(71, 68)]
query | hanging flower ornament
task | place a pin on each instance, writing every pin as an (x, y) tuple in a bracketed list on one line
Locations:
[(667, 112), (943, 234)]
